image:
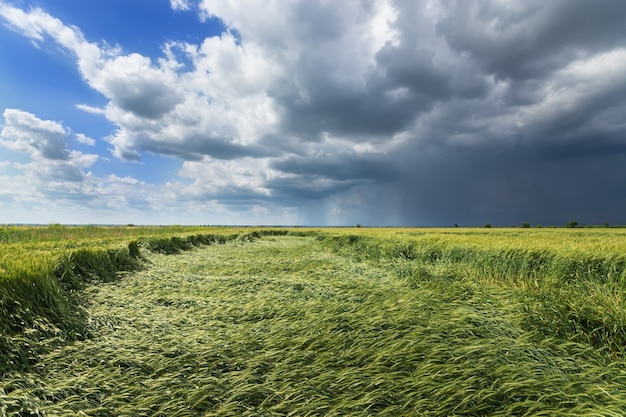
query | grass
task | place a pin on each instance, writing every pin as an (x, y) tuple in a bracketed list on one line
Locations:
[(571, 281), (344, 322), (40, 280), (77, 234)]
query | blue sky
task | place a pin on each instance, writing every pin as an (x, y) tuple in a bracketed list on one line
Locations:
[(309, 112)]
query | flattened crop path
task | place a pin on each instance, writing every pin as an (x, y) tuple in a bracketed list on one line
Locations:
[(281, 326)]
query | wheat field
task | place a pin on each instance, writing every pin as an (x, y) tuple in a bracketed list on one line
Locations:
[(317, 322)]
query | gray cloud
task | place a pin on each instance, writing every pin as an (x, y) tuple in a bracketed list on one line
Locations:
[(42, 139), (340, 168), (135, 85), (324, 176), (341, 110), (145, 100), (389, 112), (195, 148), (529, 39), (301, 190), (474, 112), (510, 187)]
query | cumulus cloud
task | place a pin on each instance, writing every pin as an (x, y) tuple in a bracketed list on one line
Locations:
[(522, 40), (85, 140), (135, 86), (225, 181), (57, 177), (155, 105), (311, 101), (45, 143), (42, 139)]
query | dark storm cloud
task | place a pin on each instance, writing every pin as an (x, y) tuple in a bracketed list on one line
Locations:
[(592, 118), (502, 187), (404, 84), (595, 144), (332, 106), (511, 112), (429, 113), (301, 189), (527, 39), (338, 169), (324, 176), (318, 96), (405, 80)]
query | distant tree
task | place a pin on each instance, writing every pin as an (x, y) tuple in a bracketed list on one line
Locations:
[(572, 224), (456, 225), (487, 225), (526, 225), (539, 226), (358, 225), (606, 224)]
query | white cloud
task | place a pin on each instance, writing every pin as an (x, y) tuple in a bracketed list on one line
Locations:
[(136, 86), (41, 139), (213, 179), (90, 109), (303, 100), (85, 140), (228, 97), (57, 177), (36, 24), (214, 108), (45, 143), (33, 24), (180, 5)]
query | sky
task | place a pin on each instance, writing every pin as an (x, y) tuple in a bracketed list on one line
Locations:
[(320, 113)]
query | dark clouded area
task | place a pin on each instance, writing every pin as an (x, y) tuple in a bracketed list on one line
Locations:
[(527, 40), (374, 112)]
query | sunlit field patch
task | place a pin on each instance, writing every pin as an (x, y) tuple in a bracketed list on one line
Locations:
[(346, 322)]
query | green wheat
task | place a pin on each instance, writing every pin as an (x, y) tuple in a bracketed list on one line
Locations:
[(291, 325)]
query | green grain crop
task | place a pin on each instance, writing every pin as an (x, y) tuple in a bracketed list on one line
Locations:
[(43, 267), (396, 322)]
